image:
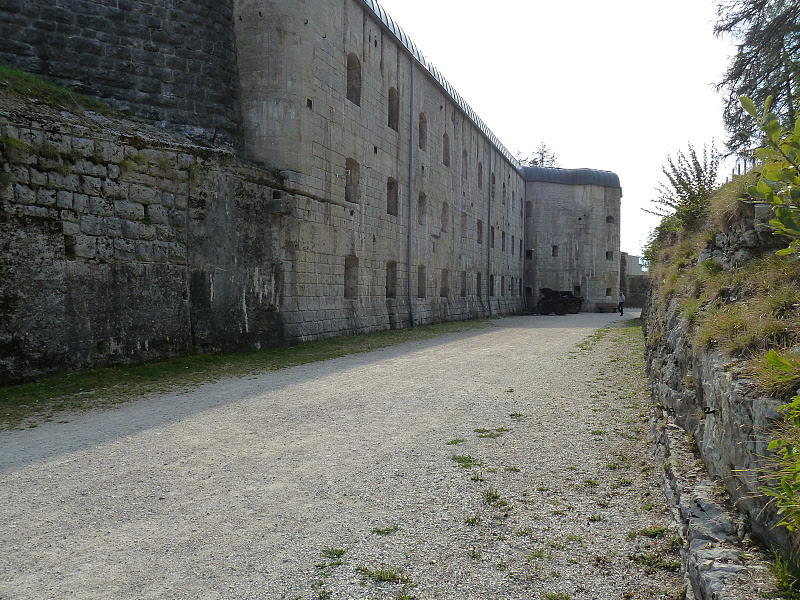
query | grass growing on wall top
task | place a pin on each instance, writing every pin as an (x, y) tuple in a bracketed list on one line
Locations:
[(31, 86), (26, 404), (743, 312)]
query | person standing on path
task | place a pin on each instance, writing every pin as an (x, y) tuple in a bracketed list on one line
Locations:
[(621, 302)]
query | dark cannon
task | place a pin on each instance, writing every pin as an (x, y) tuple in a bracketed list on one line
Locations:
[(574, 302), (560, 303)]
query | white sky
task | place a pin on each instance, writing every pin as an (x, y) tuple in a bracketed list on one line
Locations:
[(606, 84)]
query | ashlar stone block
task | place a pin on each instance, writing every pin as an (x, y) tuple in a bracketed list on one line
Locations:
[(128, 210), (85, 246)]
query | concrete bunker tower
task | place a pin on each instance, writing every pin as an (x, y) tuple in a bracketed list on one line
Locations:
[(572, 231)]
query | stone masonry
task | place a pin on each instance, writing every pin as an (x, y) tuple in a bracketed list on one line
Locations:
[(349, 187), (170, 61)]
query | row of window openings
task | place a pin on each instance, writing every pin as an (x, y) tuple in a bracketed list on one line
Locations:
[(351, 191), (351, 282), (354, 91), (609, 253), (393, 121)]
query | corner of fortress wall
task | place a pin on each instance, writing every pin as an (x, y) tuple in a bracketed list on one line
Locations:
[(319, 214)]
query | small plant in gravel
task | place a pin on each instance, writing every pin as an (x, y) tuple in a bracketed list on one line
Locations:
[(386, 530), (488, 433), (556, 596), (592, 483), (456, 441), (465, 461), (624, 482), (490, 495), (595, 519), (513, 469), (556, 545), (404, 594), (383, 574), (477, 476), (322, 593), (654, 562), (472, 521), (516, 416), (571, 537), (603, 559), (652, 532), (334, 555), (539, 553)]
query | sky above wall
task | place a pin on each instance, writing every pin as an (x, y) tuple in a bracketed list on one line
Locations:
[(616, 85)]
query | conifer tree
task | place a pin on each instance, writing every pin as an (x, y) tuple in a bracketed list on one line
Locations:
[(766, 63)]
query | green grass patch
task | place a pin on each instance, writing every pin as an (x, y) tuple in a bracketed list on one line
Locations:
[(648, 532), (465, 461), (787, 576), (383, 574), (654, 562), (31, 86), (334, 558), (96, 388), (386, 530)]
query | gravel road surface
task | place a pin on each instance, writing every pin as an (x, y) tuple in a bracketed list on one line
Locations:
[(506, 462)]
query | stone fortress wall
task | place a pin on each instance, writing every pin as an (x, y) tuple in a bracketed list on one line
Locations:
[(428, 207), (169, 61), (360, 192)]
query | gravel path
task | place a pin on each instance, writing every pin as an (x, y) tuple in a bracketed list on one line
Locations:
[(338, 480)]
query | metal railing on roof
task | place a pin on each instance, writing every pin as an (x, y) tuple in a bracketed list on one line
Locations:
[(393, 28)]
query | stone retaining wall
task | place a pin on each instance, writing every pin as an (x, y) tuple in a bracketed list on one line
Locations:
[(105, 243), (706, 393)]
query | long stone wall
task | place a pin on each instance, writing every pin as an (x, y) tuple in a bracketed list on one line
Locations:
[(422, 196), (122, 244), (167, 61), (363, 194)]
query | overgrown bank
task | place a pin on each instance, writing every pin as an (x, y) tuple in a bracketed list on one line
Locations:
[(722, 326)]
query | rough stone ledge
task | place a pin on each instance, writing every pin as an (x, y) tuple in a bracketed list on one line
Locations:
[(719, 559)]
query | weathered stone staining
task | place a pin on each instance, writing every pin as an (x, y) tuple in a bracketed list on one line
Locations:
[(351, 189)]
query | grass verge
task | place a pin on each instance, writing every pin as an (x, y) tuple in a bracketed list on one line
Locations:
[(31, 86), (27, 404)]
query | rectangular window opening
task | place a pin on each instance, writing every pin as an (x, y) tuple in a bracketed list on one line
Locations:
[(391, 279), (421, 291), (391, 196), (351, 277)]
